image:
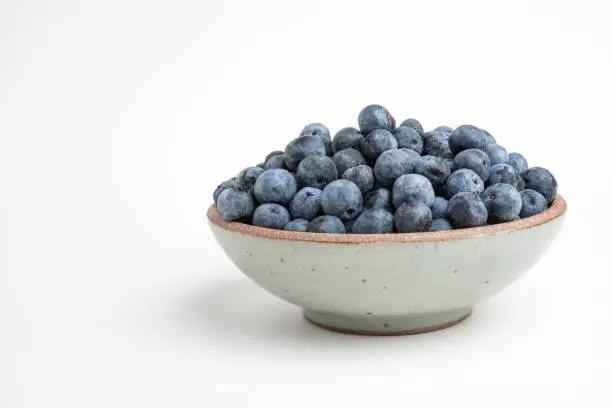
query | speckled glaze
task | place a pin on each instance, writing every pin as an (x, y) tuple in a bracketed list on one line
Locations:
[(388, 284)]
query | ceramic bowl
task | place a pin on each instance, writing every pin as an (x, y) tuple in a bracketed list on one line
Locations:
[(387, 284)]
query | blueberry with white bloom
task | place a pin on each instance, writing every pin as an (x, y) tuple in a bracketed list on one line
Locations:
[(271, 215), (306, 203), (275, 186)]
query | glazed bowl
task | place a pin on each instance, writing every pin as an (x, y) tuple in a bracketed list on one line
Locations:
[(388, 284)]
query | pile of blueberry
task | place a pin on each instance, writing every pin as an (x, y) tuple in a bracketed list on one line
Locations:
[(381, 179)]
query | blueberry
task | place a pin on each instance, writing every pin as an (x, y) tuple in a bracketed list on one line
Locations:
[(517, 161), (503, 202), (316, 171), (275, 186), (261, 165), (542, 181), (347, 138), (445, 129), (276, 162), (408, 138), (378, 199), (373, 222), (327, 224), (393, 164), (412, 188), (234, 204), (436, 144), (497, 154), (490, 138), (302, 147), (343, 199), (413, 217), (347, 158), (322, 132), (466, 210), (245, 181), (436, 170), (467, 137), (222, 187), (272, 154), (532, 203), (440, 224), (298, 225), (316, 129), (271, 215), (463, 181), (438, 208), (376, 142), (375, 117), (504, 173), (414, 124), (306, 203), (362, 176), (475, 160)]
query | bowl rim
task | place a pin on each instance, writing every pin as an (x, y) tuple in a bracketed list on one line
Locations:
[(556, 210)]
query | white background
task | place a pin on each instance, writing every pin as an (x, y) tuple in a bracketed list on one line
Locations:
[(118, 119)]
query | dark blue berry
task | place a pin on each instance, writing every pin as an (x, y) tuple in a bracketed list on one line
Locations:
[(497, 154), (297, 225), (343, 199), (322, 132), (467, 137), (475, 160), (373, 222), (394, 163), (413, 217), (362, 176), (436, 144), (275, 186), (302, 147), (466, 210), (542, 181), (327, 224), (245, 180), (532, 203), (276, 162), (517, 161), (436, 170), (408, 138), (504, 173), (503, 202), (347, 138), (234, 204), (378, 199), (375, 117), (414, 124), (347, 158), (440, 224), (438, 208), (462, 181), (306, 203), (272, 154), (222, 187), (316, 171), (376, 142), (271, 215), (412, 188)]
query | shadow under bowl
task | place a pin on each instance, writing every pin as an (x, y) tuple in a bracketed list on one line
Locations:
[(388, 284)]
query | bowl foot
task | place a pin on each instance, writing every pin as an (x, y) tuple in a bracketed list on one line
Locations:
[(373, 325)]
